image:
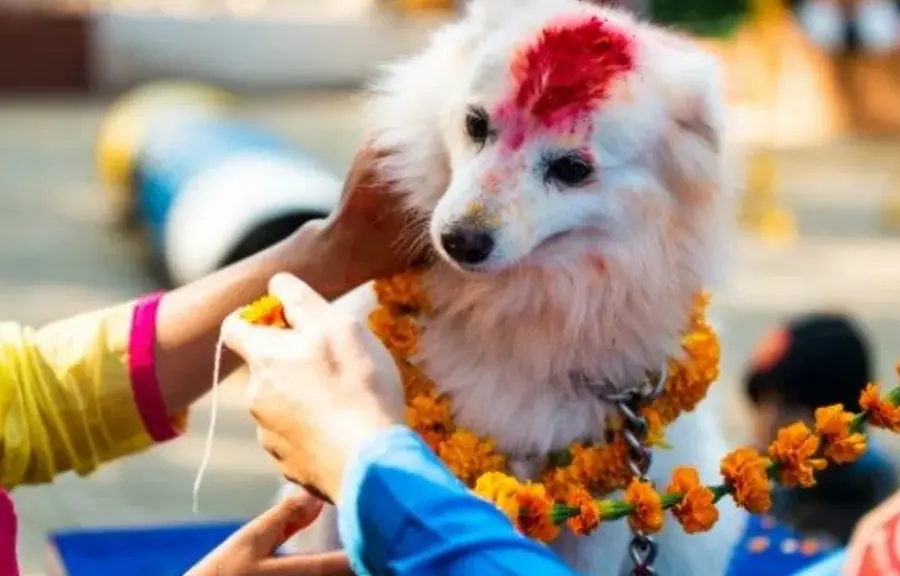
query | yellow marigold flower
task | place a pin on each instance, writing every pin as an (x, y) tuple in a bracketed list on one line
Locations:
[(744, 470), (647, 516), (469, 456), (793, 449), (833, 426), (879, 412), (588, 512), (267, 311), (697, 511), (533, 515), (495, 486), (399, 334)]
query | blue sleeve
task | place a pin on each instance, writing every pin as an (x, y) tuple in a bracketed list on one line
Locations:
[(402, 512)]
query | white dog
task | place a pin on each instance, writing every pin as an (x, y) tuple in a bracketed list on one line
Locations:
[(566, 162)]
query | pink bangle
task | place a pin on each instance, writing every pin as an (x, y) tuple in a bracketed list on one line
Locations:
[(9, 564), (142, 369)]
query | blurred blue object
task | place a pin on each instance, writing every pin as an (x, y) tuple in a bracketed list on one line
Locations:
[(212, 191), (208, 189), (157, 551), (771, 549)]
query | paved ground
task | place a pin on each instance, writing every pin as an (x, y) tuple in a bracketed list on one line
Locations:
[(60, 256)]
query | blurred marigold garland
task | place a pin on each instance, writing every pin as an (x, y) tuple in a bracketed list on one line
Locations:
[(574, 477)]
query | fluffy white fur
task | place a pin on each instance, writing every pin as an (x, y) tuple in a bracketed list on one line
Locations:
[(508, 335)]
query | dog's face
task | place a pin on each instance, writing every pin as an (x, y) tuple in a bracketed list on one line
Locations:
[(572, 133)]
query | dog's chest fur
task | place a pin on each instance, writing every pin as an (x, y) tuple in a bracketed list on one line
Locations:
[(526, 415), (514, 355)]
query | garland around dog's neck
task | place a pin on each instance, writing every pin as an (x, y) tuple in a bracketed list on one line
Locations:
[(580, 469), (574, 476)]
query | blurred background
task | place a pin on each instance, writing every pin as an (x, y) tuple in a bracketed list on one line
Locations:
[(814, 92)]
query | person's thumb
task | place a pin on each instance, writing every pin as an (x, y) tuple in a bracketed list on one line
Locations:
[(271, 529), (303, 306)]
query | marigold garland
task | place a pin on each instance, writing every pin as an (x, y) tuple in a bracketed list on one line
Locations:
[(573, 477)]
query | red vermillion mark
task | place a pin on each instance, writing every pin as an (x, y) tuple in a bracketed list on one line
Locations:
[(563, 75)]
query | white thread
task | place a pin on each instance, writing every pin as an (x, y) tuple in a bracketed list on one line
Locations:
[(207, 449)]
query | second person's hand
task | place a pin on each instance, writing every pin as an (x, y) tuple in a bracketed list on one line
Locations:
[(250, 551), (319, 390)]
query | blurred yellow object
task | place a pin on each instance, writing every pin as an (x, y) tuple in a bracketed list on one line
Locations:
[(760, 211), (426, 5), (66, 398), (120, 135), (890, 212), (767, 11)]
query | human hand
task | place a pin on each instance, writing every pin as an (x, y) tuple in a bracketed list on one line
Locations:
[(318, 391), (370, 234), (250, 551)]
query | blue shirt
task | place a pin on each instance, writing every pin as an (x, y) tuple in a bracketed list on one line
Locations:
[(402, 512), (770, 548)]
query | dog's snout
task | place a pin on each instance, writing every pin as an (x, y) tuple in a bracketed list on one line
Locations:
[(468, 244)]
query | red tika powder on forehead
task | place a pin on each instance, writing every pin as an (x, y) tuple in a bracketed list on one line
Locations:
[(570, 68)]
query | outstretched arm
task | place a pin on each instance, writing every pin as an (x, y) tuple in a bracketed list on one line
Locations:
[(93, 388)]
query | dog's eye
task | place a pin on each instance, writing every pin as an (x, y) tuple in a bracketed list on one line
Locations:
[(570, 170), (477, 125)]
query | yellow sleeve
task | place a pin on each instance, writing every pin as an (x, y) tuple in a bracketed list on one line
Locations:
[(67, 400)]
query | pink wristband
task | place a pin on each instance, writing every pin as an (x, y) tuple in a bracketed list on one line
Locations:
[(9, 565), (142, 369)]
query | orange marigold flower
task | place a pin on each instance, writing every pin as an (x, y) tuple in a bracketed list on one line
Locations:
[(614, 473), (599, 466), (433, 438), (647, 516), (415, 382), (428, 412), (527, 505), (399, 334), (267, 311), (744, 470), (588, 512), (469, 456), (403, 290), (689, 379), (793, 450), (697, 510), (533, 515), (879, 412), (833, 426)]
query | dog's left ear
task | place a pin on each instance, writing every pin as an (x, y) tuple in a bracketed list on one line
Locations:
[(692, 84)]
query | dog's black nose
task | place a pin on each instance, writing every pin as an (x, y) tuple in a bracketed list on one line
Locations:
[(467, 244)]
